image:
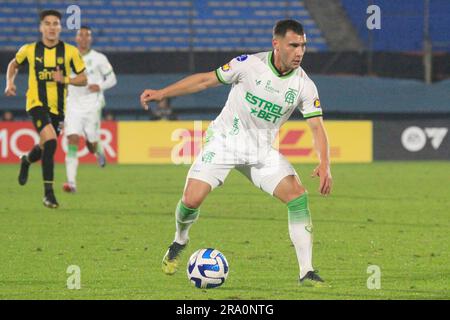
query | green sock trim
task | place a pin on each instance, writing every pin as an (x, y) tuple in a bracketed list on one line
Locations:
[(72, 150), (185, 214), (185, 211), (298, 209)]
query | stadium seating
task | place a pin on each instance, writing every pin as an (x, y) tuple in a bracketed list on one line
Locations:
[(402, 24), (137, 25)]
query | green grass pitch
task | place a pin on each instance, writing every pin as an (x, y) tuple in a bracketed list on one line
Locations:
[(395, 215)]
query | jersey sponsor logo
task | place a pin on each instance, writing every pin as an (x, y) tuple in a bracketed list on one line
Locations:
[(264, 109), (242, 57), (290, 96), (45, 75), (235, 130), (208, 156), (271, 89), (317, 103), (226, 67)]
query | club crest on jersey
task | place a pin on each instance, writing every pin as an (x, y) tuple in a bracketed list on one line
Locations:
[(226, 67), (290, 95), (317, 103), (60, 60), (242, 57)]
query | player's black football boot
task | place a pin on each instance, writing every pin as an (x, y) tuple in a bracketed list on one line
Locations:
[(50, 200), (171, 258), (24, 167), (312, 279)]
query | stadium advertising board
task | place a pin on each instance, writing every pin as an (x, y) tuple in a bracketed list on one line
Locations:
[(180, 141), (412, 140), (17, 138)]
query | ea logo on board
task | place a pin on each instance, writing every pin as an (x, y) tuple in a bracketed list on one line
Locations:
[(414, 139)]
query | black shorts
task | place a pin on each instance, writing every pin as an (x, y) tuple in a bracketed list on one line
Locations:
[(41, 116)]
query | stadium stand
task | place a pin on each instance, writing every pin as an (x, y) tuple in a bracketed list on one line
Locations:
[(133, 33), (402, 24), (135, 25)]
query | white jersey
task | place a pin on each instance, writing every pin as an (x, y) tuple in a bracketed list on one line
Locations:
[(99, 71), (259, 103)]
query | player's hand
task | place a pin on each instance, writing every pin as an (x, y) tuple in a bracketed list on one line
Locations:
[(94, 88), (150, 95), (10, 90), (58, 75), (324, 173)]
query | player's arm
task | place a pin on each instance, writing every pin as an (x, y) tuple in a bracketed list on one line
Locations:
[(192, 84), (77, 66), (109, 77), (79, 80), (13, 69), (322, 149), (110, 80)]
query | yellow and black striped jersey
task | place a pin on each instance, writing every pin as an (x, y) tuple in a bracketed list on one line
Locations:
[(42, 61)]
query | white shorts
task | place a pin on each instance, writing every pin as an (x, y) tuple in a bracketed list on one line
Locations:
[(85, 124), (266, 174)]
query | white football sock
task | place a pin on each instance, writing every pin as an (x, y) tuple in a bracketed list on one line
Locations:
[(71, 164), (300, 232), (99, 150), (184, 217)]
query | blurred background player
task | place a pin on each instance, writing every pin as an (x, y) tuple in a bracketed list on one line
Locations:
[(50, 62), (84, 106), (163, 111)]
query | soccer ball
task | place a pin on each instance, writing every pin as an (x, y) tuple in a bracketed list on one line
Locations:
[(207, 268)]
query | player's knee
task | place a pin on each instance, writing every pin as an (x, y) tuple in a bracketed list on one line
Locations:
[(194, 193), (191, 200), (73, 139), (295, 192), (47, 133)]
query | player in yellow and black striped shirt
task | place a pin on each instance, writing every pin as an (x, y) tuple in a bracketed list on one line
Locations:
[(50, 62)]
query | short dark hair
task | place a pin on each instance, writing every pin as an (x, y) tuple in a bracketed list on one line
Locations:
[(86, 28), (282, 26), (51, 12)]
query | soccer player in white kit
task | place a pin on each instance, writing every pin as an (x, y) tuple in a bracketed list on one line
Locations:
[(266, 88), (84, 106)]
